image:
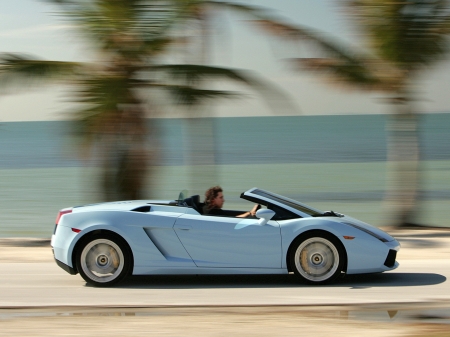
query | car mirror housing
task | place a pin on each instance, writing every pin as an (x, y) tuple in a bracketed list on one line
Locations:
[(264, 216)]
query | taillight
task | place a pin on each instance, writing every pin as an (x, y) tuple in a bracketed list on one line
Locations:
[(61, 213)]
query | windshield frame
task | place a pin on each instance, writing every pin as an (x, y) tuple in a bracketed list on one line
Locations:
[(289, 204)]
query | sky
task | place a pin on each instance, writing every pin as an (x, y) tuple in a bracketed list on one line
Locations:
[(34, 27)]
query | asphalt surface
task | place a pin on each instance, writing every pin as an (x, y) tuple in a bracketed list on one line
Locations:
[(421, 277)]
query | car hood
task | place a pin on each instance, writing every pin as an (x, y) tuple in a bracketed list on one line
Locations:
[(366, 228)]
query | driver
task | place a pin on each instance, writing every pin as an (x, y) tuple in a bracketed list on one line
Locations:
[(214, 202)]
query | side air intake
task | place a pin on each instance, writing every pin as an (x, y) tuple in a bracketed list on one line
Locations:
[(390, 260), (142, 209)]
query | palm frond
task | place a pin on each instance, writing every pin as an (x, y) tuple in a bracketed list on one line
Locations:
[(127, 27), (362, 76), (103, 91), (409, 34), (16, 69), (253, 11), (152, 47), (62, 2), (194, 73), (186, 95)]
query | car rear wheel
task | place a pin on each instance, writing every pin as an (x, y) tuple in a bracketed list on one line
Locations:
[(103, 260), (317, 258)]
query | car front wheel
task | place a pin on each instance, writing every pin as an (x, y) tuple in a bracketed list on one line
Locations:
[(318, 258), (103, 260)]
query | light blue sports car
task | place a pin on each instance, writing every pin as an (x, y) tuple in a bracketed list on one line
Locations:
[(107, 242)]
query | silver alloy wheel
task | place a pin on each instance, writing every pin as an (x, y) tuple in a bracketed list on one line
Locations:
[(316, 259), (102, 260)]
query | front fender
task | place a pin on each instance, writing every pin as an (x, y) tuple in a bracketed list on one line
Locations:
[(365, 253)]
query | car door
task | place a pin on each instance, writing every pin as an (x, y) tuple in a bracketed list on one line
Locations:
[(228, 242)]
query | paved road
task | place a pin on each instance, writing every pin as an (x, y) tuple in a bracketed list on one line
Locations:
[(45, 284)]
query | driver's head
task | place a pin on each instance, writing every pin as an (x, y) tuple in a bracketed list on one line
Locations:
[(214, 197)]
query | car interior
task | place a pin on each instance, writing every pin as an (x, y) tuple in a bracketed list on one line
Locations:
[(280, 213), (194, 202)]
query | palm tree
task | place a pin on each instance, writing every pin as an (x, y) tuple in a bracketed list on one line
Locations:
[(191, 89), (129, 37), (403, 39), (125, 35), (193, 79)]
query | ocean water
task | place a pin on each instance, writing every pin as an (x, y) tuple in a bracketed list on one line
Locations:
[(245, 140), (330, 162)]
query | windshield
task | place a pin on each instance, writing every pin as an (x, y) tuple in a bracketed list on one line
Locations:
[(288, 202)]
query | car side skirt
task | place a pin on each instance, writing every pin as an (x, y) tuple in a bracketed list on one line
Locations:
[(207, 271)]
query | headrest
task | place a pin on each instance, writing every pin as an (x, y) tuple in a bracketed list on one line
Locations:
[(196, 199)]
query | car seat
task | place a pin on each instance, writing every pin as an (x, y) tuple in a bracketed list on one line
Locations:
[(194, 202), (197, 205)]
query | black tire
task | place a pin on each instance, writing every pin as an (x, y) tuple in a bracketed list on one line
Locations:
[(317, 257), (103, 260)]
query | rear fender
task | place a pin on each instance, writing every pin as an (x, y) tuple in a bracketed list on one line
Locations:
[(128, 225)]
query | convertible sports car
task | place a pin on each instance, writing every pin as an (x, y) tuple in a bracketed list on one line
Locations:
[(108, 241)]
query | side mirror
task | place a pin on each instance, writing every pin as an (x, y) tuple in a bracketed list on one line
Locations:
[(264, 216)]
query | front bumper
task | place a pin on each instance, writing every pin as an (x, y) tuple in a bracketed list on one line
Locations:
[(390, 259)]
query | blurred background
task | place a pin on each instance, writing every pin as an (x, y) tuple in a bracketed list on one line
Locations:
[(342, 105)]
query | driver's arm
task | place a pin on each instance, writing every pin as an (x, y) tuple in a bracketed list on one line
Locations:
[(251, 213)]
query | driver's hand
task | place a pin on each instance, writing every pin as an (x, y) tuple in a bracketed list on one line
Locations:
[(254, 209)]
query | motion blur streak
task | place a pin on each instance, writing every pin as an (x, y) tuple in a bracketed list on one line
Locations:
[(335, 162), (147, 59)]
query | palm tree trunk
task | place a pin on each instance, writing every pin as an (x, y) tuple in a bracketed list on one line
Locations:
[(124, 163), (200, 155), (403, 194), (108, 168), (200, 134), (132, 167)]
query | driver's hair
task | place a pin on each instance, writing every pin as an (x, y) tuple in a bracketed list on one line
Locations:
[(211, 194)]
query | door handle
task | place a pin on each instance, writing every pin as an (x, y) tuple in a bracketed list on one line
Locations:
[(183, 227)]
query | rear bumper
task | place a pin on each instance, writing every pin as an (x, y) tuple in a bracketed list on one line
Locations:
[(62, 244), (70, 270), (65, 267)]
